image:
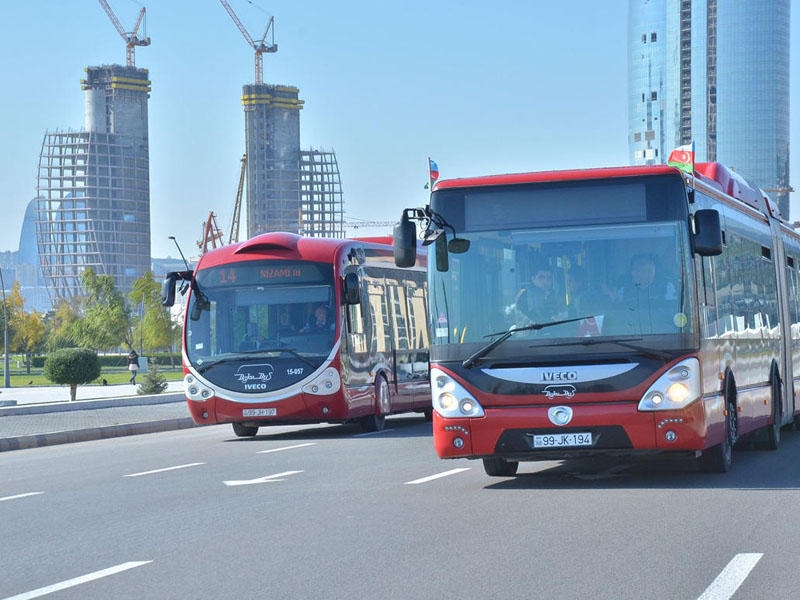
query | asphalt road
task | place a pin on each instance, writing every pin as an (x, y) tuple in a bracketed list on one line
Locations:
[(328, 512)]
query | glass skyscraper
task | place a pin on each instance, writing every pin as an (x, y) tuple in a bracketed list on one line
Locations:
[(715, 73)]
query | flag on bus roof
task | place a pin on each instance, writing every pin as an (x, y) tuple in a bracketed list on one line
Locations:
[(433, 170), (682, 158)]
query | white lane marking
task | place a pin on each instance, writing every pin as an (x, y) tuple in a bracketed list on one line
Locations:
[(20, 496), (57, 587), (437, 476), (175, 468), (287, 448), (381, 432), (266, 479), (732, 576)]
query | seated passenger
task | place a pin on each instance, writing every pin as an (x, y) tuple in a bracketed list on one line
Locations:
[(539, 302), (319, 322)]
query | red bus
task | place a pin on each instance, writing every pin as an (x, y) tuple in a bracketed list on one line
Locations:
[(283, 329), (615, 310)]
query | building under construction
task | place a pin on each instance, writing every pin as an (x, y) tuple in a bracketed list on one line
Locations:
[(288, 189), (93, 205)]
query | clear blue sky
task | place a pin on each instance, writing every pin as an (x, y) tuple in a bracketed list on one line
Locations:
[(480, 87)]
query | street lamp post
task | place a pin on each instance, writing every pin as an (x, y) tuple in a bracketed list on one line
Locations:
[(6, 374)]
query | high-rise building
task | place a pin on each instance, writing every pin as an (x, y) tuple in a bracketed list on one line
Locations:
[(93, 204), (288, 189), (716, 74), (272, 141)]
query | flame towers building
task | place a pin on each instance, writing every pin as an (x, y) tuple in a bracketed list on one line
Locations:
[(93, 201), (717, 74)]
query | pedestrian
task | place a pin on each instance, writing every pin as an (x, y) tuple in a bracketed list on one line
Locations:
[(133, 365)]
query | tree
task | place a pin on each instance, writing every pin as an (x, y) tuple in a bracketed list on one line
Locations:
[(154, 327), (61, 325), (72, 366), (154, 382), (28, 335), (106, 322)]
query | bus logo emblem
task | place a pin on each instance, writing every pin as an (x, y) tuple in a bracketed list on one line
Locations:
[(559, 391), (254, 377)]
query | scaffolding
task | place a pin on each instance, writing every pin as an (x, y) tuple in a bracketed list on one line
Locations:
[(321, 205), (93, 188)]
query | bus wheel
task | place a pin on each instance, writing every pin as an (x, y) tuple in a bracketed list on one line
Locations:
[(243, 430), (720, 458), (500, 467), (377, 421)]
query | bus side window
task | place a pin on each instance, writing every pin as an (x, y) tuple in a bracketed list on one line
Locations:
[(356, 337)]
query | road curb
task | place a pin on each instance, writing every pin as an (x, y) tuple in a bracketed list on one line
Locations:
[(93, 433), (38, 409)]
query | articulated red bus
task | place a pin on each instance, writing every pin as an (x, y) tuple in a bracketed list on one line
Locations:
[(615, 310), (286, 329)]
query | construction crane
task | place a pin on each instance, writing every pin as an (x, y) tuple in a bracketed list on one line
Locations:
[(211, 234), (233, 236), (357, 224), (260, 47), (132, 38)]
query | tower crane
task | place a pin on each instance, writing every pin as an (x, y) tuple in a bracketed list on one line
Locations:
[(233, 236), (132, 38), (260, 47), (211, 234)]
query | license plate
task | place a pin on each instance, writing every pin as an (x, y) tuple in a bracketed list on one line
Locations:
[(562, 440), (259, 412)]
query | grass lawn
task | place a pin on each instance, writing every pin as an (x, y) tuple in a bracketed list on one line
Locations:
[(113, 376)]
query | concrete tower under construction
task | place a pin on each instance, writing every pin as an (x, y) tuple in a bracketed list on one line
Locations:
[(93, 205), (272, 140)]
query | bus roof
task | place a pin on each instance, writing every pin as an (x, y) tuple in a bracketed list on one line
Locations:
[(547, 176), (285, 245), (714, 175)]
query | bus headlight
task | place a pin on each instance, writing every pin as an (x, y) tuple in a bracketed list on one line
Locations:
[(450, 399), (675, 389), (326, 384), (195, 390)]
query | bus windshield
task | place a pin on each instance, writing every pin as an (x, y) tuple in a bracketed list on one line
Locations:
[(240, 312), (575, 289)]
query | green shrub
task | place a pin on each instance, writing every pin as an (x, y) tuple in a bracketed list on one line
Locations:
[(72, 366)]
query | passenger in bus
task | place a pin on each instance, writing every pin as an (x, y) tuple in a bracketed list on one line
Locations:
[(319, 321), (539, 302), (285, 326), (582, 300), (643, 283)]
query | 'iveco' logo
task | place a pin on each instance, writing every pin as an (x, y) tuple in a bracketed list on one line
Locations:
[(551, 376)]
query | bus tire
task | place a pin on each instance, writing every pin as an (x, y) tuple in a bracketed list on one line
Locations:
[(242, 430), (719, 458), (500, 467), (377, 420)]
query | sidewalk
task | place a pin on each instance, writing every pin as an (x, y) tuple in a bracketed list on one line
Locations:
[(42, 416)]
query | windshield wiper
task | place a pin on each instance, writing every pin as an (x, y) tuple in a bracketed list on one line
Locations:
[(210, 365), (469, 362), (647, 352)]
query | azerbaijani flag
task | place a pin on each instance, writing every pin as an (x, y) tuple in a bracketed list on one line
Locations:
[(433, 170), (682, 158)]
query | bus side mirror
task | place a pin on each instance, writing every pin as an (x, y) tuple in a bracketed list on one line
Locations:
[(168, 289), (442, 260), (351, 289), (405, 243), (707, 239)]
